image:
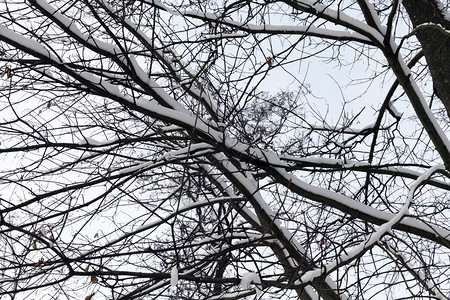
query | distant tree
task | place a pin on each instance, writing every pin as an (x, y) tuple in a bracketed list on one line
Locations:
[(161, 150)]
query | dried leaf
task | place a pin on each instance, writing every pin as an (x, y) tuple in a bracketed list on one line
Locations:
[(89, 297), (40, 262), (9, 73), (94, 279), (34, 245), (49, 103), (87, 268), (96, 235), (4, 72)]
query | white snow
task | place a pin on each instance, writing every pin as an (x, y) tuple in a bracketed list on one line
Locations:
[(188, 120), (293, 29), (407, 72), (249, 278), (394, 110), (358, 206), (373, 238), (375, 17), (70, 26), (356, 24), (25, 43), (445, 12), (92, 141), (224, 35), (190, 149), (114, 51), (429, 283), (258, 202), (174, 277)]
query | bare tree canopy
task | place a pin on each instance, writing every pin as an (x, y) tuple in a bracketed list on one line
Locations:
[(292, 149)]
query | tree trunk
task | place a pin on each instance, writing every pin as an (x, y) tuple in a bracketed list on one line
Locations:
[(435, 43)]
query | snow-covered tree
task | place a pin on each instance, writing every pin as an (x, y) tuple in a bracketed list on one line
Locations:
[(292, 149)]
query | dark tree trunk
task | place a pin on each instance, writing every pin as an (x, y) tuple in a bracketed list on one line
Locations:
[(435, 43)]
